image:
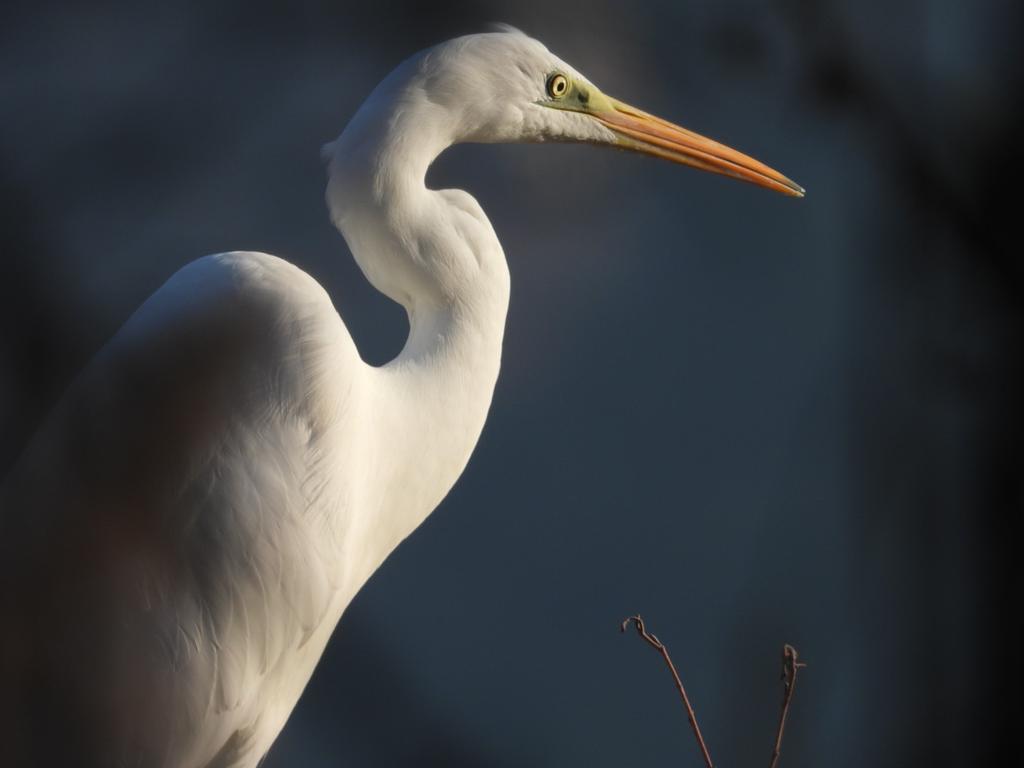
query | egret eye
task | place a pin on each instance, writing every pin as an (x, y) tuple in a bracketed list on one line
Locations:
[(558, 86)]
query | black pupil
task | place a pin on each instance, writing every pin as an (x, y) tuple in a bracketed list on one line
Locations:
[(559, 85)]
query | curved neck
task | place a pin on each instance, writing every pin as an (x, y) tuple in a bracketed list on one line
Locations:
[(435, 253)]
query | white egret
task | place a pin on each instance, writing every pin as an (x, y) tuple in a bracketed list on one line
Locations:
[(183, 534)]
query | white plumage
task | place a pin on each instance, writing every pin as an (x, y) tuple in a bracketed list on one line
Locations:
[(184, 532)]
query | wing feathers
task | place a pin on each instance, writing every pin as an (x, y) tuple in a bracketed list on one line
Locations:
[(196, 449)]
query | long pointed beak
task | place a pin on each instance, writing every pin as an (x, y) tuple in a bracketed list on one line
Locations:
[(641, 132)]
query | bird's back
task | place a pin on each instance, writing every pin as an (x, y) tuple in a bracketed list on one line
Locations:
[(170, 541)]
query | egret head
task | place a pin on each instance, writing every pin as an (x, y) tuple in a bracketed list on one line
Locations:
[(507, 87), (493, 87)]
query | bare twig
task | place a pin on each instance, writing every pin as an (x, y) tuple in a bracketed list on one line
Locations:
[(659, 646), (790, 665)]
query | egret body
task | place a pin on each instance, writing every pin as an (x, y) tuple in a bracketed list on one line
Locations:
[(182, 536)]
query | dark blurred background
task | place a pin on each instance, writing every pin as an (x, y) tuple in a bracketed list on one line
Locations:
[(754, 420)]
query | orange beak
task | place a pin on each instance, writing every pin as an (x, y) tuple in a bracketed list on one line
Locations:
[(641, 132)]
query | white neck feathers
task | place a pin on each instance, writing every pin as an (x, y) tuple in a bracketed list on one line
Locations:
[(435, 253)]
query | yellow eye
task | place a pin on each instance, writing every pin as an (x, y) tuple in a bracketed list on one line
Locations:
[(558, 86)]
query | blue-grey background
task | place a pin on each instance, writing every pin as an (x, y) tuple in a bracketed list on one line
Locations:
[(754, 420)]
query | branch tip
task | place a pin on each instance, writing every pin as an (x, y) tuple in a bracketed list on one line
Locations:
[(659, 646), (790, 665)]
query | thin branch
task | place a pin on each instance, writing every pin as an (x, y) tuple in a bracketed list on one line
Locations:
[(790, 665), (659, 646)]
